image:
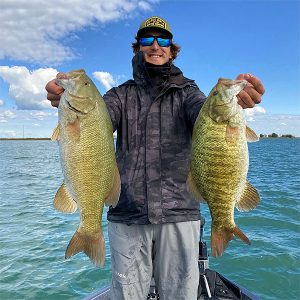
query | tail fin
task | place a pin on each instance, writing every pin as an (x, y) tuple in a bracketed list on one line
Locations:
[(92, 246), (221, 238)]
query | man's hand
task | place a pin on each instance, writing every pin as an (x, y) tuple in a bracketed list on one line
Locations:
[(252, 93), (54, 92)]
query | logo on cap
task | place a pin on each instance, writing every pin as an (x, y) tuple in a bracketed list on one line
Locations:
[(156, 22)]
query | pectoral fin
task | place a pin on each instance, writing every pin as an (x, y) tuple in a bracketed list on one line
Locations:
[(56, 133), (232, 134), (249, 199), (63, 201), (114, 194), (192, 188), (73, 130), (251, 135)]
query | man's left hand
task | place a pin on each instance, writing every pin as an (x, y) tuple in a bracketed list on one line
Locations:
[(252, 93)]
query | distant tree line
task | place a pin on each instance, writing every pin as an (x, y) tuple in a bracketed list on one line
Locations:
[(275, 135)]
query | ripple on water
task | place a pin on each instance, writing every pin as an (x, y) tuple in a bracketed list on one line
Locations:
[(33, 236)]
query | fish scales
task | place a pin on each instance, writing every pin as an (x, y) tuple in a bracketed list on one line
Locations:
[(91, 176), (219, 162), (89, 160), (88, 157)]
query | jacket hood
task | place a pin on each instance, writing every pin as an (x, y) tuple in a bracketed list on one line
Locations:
[(141, 76)]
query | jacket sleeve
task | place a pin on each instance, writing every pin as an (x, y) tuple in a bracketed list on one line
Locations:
[(192, 104), (114, 107)]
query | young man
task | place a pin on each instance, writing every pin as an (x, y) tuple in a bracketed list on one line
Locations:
[(154, 229)]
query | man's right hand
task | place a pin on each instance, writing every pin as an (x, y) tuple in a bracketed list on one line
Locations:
[(54, 92)]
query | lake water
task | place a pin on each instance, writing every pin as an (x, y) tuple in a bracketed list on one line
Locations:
[(33, 236)]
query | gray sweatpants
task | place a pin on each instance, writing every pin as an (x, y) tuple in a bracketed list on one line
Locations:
[(169, 252)]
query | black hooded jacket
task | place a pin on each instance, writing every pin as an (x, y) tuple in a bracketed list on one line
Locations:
[(154, 120)]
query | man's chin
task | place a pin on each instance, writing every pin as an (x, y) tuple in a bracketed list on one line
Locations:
[(155, 61)]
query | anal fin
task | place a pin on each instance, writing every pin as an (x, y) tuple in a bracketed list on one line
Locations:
[(249, 199), (63, 201)]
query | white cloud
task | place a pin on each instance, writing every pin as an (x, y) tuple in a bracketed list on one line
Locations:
[(26, 115), (1, 102), (277, 123), (27, 88), (33, 31), (40, 115), (254, 111), (106, 79), (34, 123), (7, 114), (144, 5), (8, 133)]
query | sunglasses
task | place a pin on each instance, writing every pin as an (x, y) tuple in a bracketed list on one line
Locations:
[(149, 40)]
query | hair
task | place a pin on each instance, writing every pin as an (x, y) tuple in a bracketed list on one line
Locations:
[(175, 48)]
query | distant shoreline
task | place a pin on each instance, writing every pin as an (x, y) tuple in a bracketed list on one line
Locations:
[(24, 139), (278, 137)]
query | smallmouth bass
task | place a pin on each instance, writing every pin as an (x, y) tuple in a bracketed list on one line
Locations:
[(220, 161), (87, 156)]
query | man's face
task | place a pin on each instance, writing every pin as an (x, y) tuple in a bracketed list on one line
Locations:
[(155, 54)]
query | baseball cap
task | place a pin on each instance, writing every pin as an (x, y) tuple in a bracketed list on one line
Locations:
[(156, 23)]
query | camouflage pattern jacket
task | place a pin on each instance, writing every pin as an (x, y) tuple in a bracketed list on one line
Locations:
[(153, 147)]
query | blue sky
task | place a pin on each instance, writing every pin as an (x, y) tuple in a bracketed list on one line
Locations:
[(219, 38)]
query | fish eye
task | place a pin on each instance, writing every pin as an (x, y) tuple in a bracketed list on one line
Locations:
[(215, 93), (86, 83)]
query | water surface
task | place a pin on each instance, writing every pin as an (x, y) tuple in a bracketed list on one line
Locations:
[(33, 236)]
